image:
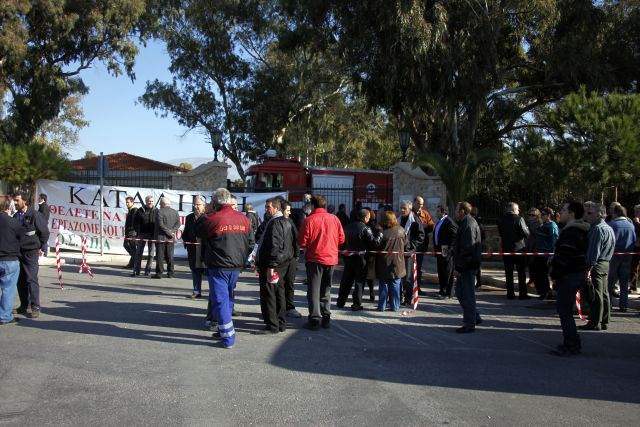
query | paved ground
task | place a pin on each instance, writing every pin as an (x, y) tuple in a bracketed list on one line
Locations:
[(121, 351)]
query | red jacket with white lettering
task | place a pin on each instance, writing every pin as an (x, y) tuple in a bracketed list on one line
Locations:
[(321, 233), (226, 236)]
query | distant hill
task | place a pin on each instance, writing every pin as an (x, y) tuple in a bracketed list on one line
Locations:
[(197, 161)]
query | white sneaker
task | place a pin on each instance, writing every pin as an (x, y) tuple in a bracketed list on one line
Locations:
[(294, 313)]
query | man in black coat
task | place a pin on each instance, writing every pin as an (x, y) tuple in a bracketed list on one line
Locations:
[(443, 235), (36, 234), (467, 257), (43, 208), (513, 233), (144, 224), (358, 237), (415, 237), (167, 225), (130, 231), (275, 251), (194, 246)]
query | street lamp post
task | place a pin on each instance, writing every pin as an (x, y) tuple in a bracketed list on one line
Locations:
[(404, 142), (216, 143)]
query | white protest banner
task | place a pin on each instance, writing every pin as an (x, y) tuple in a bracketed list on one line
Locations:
[(75, 212)]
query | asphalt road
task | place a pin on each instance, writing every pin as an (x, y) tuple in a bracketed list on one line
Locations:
[(116, 350)]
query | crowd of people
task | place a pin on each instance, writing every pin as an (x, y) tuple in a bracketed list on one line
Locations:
[(574, 249)]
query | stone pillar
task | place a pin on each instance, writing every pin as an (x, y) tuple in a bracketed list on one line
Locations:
[(409, 182), (206, 177)]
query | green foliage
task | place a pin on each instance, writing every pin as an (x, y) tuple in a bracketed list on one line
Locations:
[(185, 165), (89, 154), (24, 164), (597, 140), (63, 130), (44, 45), (458, 177)]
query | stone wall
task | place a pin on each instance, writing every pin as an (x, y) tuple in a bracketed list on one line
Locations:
[(206, 177), (409, 182)]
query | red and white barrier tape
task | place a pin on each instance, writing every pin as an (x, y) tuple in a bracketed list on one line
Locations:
[(58, 261), (578, 305), (84, 258)]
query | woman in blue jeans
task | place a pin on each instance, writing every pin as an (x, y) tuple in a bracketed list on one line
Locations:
[(390, 267)]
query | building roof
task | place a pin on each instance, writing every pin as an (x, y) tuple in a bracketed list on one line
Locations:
[(125, 162)]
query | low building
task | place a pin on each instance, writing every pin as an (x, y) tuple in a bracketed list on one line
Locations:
[(125, 170)]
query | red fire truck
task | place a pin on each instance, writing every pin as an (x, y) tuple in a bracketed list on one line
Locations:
[(338, 185)]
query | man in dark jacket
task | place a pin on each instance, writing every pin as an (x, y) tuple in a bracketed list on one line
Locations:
[(43, 208), (415, 237), (513, 232), (10, 237), (36, 234), (467, 253), (144, 224), (569, 269), (226, 235), (443, 235), (358, 237), (290, 275), (167, 224), (194, 246), (276, 250), (130, 231)]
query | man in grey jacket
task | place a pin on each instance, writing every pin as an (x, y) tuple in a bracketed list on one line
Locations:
[(599, 252), (167, 223), (467, 253)]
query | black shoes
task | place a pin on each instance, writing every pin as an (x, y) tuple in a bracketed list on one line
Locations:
[(312, 325), (156, 276), (564, 351), (465, 330), (266, 331), (21, 310), (511, 296), (590, 327), (357, 308), (326, 322), (524, 297), (171, 275)]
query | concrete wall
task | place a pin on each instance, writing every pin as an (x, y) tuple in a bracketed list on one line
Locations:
[(206, 177), (409, 182)]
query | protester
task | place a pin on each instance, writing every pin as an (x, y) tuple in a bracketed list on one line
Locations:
[(167, 224), (320, 234), (390, 266), (11, 232), (513, 232), (290, 275), (35, 235), (358, 238), (130, 232), (194, 247), (415, 237), (635, 259), (428, 225), (620, 265), (443, 236), (599, 253), (43, 208), (467, 256), (545, 241), (275, 252), (534, 221), (226, 235), (569, 269), (144, 224), (342, 215)]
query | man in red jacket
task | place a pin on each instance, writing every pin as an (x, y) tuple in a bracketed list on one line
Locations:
[(320, 234)]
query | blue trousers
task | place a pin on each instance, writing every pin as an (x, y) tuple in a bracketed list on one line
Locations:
[(389, 288), (221, 284), (466, 294), (620, 271), (9, 272)]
